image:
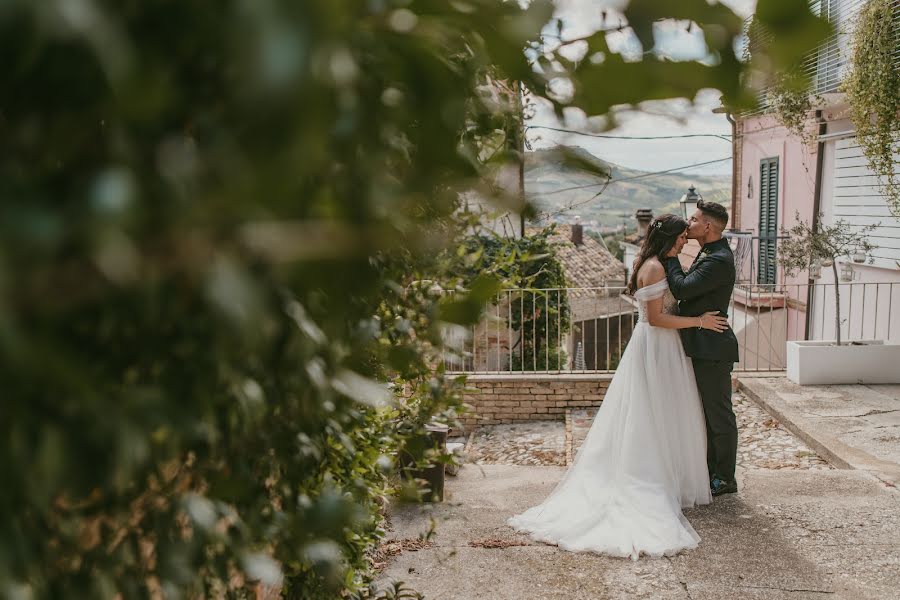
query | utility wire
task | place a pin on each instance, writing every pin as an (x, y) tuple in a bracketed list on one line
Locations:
[(724, 137), (575, 205), (610, 181), (641, 176)]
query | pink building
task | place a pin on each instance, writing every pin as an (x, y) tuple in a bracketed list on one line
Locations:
[(777, 177)]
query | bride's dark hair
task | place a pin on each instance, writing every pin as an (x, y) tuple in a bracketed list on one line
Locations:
[(661, 236)]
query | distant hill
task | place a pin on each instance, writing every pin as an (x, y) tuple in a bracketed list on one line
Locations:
[(546, 171)]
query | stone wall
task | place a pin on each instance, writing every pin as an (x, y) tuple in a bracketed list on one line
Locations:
[(513, 398)]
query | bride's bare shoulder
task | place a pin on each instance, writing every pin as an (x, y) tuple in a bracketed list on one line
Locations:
[(650, 272), (652, 267)]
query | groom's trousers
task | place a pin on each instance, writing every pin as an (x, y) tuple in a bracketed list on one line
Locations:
[(714, 385)]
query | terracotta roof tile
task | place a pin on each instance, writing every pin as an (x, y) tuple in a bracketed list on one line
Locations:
[(587, 265)]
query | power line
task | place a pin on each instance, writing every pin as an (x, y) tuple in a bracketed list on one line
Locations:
[(610, 181), (724, 137), (641, 176), (575, 205)]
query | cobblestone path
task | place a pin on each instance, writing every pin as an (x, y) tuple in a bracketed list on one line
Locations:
[(763, 442)]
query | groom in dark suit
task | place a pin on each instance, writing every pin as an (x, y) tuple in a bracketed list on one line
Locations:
[(707, 286)]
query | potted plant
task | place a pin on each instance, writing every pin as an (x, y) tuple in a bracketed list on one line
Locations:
[(834, 361)]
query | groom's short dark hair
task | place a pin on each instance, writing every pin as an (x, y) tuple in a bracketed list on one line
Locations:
[(714, 211)]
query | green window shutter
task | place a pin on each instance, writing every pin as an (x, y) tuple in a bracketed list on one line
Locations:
[(768, 220)]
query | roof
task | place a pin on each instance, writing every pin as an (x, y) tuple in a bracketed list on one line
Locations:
[(635, 238), (588, 265)]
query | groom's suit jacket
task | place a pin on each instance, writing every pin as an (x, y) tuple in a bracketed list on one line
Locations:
[(707, 286)]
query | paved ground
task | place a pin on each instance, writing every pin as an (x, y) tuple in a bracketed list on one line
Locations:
[(798, 529), (852, 426), (763, 444), (789, 534), (535, 443)]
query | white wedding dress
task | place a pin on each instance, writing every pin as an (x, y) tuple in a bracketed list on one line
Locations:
[(643, 460)]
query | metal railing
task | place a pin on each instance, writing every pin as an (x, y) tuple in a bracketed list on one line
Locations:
[(545, 330), (586, 330)]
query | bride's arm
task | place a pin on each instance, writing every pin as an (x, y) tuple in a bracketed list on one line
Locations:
[(658, 318)]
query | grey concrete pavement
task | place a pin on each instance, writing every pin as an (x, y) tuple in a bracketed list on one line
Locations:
[(787, 534), (851, 426)]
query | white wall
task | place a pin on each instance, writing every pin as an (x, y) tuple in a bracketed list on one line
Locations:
[(870, 304), (852, 193), (628, 256)]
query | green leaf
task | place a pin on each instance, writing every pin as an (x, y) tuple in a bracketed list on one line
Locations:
[(795, 31), (361, 389), (467, 310)]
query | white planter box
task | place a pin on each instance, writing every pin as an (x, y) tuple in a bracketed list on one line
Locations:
[(861, 361)]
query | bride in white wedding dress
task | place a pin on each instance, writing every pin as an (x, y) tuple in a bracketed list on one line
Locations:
[(644, 458)]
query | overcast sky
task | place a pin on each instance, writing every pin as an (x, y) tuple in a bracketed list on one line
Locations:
[(582, 17)]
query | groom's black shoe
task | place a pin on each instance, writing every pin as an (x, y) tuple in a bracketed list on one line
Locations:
[(721, 486)]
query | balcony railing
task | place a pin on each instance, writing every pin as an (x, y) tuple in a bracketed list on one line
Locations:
[(586, 330)]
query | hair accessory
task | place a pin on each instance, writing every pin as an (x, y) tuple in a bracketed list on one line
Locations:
[(657, 225)]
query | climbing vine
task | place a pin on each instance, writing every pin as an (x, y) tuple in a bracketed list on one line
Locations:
[(790, 100), (873, 92)]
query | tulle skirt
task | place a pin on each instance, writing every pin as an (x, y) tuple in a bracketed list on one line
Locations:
[(643, 460)]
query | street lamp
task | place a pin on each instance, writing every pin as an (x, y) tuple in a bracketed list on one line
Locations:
[(689, 202)]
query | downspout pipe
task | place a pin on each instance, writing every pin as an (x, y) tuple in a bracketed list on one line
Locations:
[(735, 183), (822, 129)]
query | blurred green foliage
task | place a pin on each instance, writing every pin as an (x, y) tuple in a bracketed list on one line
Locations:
[(215, 222)]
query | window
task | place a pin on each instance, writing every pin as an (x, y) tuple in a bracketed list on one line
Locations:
[(768, 219), (831, 58)]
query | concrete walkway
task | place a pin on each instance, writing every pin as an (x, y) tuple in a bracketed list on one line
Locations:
[(851, 426), (788, 534)]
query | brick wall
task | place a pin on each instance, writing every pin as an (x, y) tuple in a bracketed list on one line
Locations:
[(513, 398)]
